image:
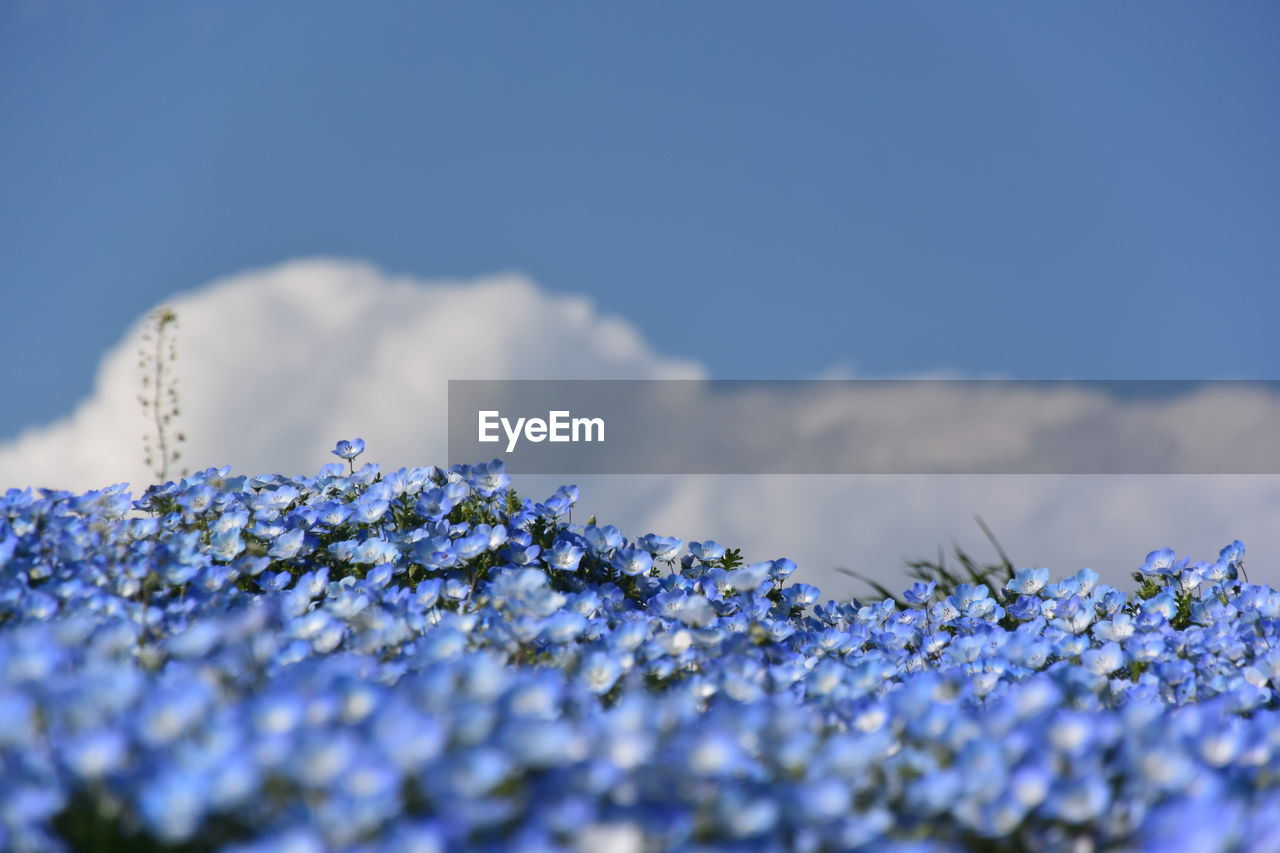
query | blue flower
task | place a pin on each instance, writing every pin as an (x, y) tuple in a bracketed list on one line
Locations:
[(226, 546), (632, 561), (801, 594), (434, 504), (1233, 554), (368, 511), (333, 514), (374, 551), (275, 581), (782, 569), (661, 547), (472, 545), (173, 806), (1028, 581), (1164, 604), (600, 672), (435, 552), (489, 478), (920, 592), (1024, 608), (707, 552), (93, 754), (1104, 659), (521, 554), (349, 449), (287, 545), (1162, 562), (564, 555), (752, 577), (603, 539), (277, 499)]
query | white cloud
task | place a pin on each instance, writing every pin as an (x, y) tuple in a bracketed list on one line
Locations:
[(274, 365), (277, 364)]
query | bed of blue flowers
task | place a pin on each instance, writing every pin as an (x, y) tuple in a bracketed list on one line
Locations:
[(420, 661)]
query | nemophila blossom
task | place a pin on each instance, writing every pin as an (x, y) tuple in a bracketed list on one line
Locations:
[(752, 577), (632, 561), (231, 519), (603, 539), (374, 551), (1164, 604), (1024, 608), (287, 544), (1028, 581), (267, 525), (226, 546), (781, 569), (1107, 600), (600, 672), (1233, 554), (194, 500), (1119, 628), (349, 449), (661, 547), (456, 489), (1161, 562), (521, 552), (368, 511), (1216, 572), (555, 506), (472, 544), (707, 552), (1104, 659), (1086, 581), (275, 499), (434, 504), (801, 594), (333, 513), (495, 534), (275, 581), (487, 478), (1072, 615), (344, 551), (920, 592), (564, 555)]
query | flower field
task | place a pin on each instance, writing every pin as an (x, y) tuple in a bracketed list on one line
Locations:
[(421, 661)]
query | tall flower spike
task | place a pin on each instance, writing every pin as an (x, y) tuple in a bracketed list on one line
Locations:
[(159, 396)]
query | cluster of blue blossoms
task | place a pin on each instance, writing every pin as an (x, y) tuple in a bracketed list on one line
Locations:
[(420, 661)]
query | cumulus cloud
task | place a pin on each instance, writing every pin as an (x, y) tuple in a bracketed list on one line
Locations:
[(277, 364)]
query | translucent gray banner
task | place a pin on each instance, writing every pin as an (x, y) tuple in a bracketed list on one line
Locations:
[(867, 426)]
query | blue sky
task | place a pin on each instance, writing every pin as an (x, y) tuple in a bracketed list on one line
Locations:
[(1036, 190)]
